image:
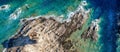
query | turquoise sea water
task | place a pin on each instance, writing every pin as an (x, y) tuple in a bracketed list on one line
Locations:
[(101, 9)]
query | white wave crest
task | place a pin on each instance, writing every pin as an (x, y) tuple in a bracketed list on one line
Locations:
[(15, 14), (84, 3), (95, 23), (80, 9)]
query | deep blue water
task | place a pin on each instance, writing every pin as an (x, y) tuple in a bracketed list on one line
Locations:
[(107, 10)]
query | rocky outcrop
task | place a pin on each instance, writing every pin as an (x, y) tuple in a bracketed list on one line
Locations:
[(47, 34), (91, 32)]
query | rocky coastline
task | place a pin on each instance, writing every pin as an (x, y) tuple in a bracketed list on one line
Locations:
[(49, 35)]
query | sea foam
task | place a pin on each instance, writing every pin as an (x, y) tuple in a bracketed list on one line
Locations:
[(4, 7)]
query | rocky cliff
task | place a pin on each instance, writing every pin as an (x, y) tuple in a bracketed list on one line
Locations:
[(49, 35)]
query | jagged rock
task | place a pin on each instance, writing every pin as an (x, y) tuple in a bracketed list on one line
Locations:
[(91, 32), (47, 35)]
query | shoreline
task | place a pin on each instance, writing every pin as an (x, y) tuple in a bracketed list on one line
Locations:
[(71, 14)]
